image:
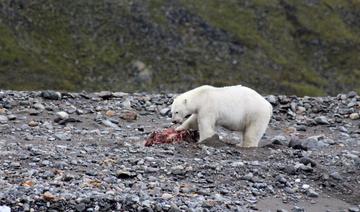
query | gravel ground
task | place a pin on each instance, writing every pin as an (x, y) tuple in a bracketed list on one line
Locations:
[(85, 152)]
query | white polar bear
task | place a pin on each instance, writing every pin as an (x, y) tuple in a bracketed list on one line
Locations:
[(236, 108)]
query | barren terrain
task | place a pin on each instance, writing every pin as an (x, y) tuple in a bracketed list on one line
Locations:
[(85, 152)]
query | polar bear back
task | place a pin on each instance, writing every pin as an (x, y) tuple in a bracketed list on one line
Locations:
[(232, 106)]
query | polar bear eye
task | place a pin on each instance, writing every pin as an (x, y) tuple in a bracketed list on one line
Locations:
[(176, 112)]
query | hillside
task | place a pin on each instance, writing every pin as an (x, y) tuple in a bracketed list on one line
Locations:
[(276, 46)]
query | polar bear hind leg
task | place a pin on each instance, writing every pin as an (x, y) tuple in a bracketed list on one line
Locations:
[(253, 133)]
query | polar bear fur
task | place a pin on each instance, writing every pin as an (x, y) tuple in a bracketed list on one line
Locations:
[(236, 108)]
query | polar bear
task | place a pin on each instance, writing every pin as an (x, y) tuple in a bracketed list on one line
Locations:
[(236, 108)]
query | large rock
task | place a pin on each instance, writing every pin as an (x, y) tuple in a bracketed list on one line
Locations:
[(51, 95)]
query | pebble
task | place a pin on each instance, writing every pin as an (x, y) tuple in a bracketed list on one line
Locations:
[(321, 120), (108, 123), (354, 209), (29, 137), (62, 136), (351, 94), (343, 129), (280, 140), (272, 99), (33, 112), (305, 186), (110, 113), (306, 161), (167, 196), (312, 193), (128, 115), (124, 174), (4, 208), (281, 210), (297, 209), (11, 117), (165, 111), (336, 176), (3, 119), (314, 142), (104, 94), (49, 197), (39, 106), (62, 115), (354, 116), (33, 123)]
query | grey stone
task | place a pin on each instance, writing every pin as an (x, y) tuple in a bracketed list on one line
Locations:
[(39, 106), (280, 140), (11, 117), (297, 209), (272, 99), (3, 119), (351, 94), (354, 209), (312, 193), (62, 115), (108, 123), (164, 111), (104, 94), (321, 120), (354, 116), (62, 136), (51, 95), (336, 176)]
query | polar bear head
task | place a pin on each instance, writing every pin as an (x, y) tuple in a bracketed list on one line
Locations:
[(180, 109)]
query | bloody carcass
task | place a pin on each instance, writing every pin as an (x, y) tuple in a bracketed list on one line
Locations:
[(170, 136)]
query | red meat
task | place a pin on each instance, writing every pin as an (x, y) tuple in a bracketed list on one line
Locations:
[(170, 136)]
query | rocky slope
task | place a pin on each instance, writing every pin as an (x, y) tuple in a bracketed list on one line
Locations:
[(85, 152), (278, 46)]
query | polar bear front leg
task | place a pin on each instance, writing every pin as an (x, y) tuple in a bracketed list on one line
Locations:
[(206, 127), (190, 123)]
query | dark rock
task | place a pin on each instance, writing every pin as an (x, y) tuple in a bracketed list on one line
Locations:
[(104, 94), (315, 142), (51, 95), (351, 94), (290, 170), (306, 161), (280, 140), (123, 174), (33, 112), (296, 143)]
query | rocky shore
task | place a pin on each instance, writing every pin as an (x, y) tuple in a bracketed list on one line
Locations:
[(85, 152)]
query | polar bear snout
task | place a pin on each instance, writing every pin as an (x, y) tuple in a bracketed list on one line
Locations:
[(175, 122), (176, 119)]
